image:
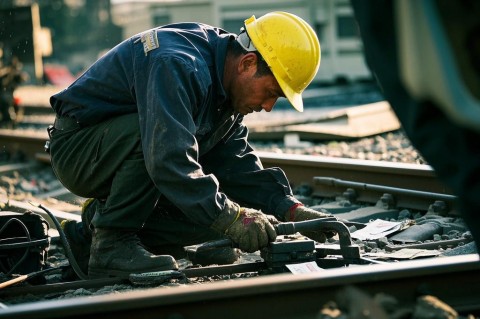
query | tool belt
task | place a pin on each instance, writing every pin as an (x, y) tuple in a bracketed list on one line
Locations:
[(24, 242)]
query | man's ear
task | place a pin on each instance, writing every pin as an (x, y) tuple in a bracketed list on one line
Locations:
[(248, 63)]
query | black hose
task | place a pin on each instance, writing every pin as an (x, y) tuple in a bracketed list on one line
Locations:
[(63, 238)]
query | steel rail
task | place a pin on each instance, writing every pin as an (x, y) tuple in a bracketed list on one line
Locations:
[(370, 193), (453, 280), (27, 142), (302, 168), (328, 177)]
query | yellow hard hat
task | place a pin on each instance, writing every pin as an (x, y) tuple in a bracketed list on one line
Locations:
[(291, 49)]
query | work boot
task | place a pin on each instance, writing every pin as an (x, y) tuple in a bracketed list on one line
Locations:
[(79, 244), (79, 237), (119, 253)]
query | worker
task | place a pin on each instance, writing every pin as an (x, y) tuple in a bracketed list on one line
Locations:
[(153, 132), (425, 56)]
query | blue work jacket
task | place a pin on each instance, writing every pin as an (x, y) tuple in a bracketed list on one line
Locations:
[(195, 145)]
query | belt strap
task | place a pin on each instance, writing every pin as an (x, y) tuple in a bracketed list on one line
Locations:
[(65, 123)]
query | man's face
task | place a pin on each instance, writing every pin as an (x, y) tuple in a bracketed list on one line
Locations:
[(251, 93)]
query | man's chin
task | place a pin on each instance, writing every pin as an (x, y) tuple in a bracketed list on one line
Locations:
[(245, 111)]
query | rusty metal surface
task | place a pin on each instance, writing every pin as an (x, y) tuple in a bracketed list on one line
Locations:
[(298, 168), (399, 197), (27, 143), (277, 296), (301, 168)]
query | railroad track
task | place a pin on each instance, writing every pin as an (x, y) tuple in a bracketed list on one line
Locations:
[(378, 187), (299, 168), (453, 279)]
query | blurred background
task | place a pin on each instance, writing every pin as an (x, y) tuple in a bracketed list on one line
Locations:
[(56, 40)]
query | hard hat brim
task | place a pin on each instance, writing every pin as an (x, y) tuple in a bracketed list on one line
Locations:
[(293, 97)]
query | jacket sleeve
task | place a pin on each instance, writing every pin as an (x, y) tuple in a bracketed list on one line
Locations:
[(167, 97), (243, 178)]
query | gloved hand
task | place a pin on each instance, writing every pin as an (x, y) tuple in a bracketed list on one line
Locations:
[(272, 219), (252, 230), (298, 213)]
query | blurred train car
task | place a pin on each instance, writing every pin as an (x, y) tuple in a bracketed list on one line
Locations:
[(425, 54)]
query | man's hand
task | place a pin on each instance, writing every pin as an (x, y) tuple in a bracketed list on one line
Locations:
[(300, 213), (272, 219), (252, 230)]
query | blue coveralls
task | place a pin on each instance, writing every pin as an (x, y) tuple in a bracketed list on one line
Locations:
[(155, 128)]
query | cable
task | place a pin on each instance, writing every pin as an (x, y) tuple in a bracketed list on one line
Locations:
[(63, 238)]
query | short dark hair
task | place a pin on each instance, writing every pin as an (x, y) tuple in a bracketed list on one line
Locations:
[(262, 67)]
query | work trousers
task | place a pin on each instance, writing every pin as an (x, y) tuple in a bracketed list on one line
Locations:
[(105, 161)]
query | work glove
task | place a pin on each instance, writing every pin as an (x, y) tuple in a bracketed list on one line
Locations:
[(272, 219), (251, 230), (298, 213)]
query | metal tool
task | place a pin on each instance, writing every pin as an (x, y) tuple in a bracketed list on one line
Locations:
[(291, 248), (349, 251)]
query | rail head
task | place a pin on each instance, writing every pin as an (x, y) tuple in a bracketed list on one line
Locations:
[(347, 163)]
